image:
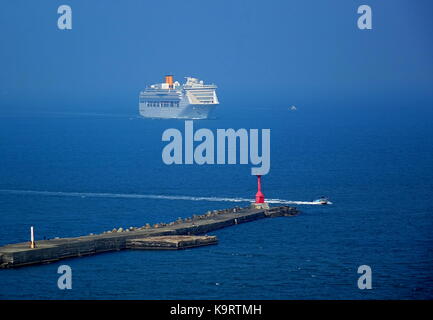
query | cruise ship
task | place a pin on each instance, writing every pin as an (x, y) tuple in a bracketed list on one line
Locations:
[(170, 99)]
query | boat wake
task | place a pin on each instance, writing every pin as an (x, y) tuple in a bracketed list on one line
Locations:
[(146, 196)]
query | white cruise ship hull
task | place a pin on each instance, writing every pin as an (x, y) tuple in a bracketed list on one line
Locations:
[(186, 111)]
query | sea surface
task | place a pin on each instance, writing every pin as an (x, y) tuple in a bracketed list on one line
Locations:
[(80, 172)]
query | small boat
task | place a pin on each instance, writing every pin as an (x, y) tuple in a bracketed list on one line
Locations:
[(322, 200)]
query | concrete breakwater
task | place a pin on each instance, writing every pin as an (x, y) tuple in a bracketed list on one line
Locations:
[(20, 254)]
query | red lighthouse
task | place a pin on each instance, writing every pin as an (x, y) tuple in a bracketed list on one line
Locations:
[(260, 197)]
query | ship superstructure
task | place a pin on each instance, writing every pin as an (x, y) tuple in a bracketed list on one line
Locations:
[(170, 99)]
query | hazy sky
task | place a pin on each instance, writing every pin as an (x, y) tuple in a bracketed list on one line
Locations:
[(283, 50)]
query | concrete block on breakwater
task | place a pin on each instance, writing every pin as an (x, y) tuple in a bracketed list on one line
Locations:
[(170, 242)]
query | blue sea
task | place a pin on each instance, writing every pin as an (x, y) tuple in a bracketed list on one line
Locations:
[(373, 159)]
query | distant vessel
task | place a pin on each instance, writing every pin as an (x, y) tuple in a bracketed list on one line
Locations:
[(191, 100), (322, 200), (293, 108)]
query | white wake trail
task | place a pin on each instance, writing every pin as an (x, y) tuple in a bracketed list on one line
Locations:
[(145, 196)]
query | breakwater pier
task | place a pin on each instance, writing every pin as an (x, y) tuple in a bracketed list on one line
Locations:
[(182, 233)]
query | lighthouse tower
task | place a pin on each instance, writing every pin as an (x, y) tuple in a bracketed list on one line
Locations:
[(260, 197)]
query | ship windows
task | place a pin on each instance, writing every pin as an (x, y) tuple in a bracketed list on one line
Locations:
[(162, 104)]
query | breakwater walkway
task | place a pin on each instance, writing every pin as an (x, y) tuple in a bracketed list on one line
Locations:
[(20, 254)]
